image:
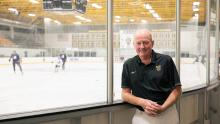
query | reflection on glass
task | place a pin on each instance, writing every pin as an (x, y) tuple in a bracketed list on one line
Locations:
[(62, 55), (213, 43), (193, 44), (129, 16)]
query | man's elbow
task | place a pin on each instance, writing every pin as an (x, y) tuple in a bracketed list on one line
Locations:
[(179, 91), (123, 96)]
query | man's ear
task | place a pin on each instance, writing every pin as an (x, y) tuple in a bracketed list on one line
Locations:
[(153, 42)]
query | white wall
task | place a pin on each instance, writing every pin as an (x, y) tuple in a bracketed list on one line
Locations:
[(58, 40), (31, 52)]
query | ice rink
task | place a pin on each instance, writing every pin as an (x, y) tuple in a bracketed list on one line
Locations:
[(41, 88)]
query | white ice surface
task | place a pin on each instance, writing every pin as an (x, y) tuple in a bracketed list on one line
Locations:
[(40, 88)]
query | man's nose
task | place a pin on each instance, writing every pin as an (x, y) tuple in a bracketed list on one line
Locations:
[(142, 45)]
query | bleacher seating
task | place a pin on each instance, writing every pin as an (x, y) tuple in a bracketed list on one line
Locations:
[(6, 42)]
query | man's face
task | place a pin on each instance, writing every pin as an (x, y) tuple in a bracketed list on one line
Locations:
[(143, 44)]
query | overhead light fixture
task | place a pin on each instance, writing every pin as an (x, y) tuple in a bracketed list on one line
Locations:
[(195, 9), (131, 20), (147, 6), (95, 5), (143, 21), (117, 17), (195, 6), (88, 20), (117, 20), (196, 3), (34, 1), (159, 18), (31, 14), (83, 18), (46, 19), (80, 17), (58, 22), (77, 23), (14, 11), (155, 15), (152, 11)]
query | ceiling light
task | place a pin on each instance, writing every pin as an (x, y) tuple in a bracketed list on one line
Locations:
[(158, 18), (57, 22), (77, 23), (195, 9), (196, 3), (117, 20), (155, 15), (80, 17), (88, 20), (95, 5), (117, 17), (47, 19), (147, 6), (12, 9), (152, 11), (31, 14), (34, 1), (143, 21), (131, 20), (17, 22)]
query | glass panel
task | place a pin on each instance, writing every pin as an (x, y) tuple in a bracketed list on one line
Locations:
[(193, 43), (42, 38), (129, 16), (213, 44), (219, 44)]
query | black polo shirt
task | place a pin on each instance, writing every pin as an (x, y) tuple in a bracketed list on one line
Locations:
[(154, 81)]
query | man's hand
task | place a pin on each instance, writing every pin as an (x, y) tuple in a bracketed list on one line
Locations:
[(152, 108)]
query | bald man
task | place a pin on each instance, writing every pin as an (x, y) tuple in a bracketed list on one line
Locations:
[(150, 81)]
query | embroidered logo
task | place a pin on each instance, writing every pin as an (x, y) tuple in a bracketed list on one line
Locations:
[(133, 72), (158, 67)]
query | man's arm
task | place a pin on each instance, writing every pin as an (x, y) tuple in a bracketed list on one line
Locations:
[(149, 106), (128, 97), (172, 98)]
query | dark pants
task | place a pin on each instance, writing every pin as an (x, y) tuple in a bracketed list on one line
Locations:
[(19, 65), (63, 65)]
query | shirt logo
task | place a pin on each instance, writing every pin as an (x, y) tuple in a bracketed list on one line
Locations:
[(158, 67), (133, 72)]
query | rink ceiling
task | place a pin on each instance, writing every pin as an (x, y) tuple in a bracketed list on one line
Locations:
[(125, 8)]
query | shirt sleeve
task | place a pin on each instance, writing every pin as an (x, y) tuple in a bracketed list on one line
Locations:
[(125, 80), (173, 74)]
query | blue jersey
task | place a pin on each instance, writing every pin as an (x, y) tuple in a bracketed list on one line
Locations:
[(15, 57), (63, 57)]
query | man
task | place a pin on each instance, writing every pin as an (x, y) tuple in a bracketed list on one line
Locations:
[(63, 58), (16, 60), (151, 82)]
